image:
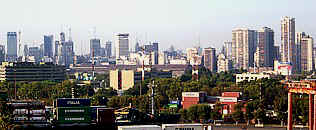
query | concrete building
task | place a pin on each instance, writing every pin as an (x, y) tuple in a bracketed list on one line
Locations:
[(36, 53), (223, 63), (243, 47), (228, 50), (288, 48), (191, 53), (2, 53), (298, 40), (12, 46), (306, 54), (48, 45), (122, 45), (250, 76), (108, 49), (282, 68), (95, 47), (265, 46), (27, 71), (210, 59), (121, 79)]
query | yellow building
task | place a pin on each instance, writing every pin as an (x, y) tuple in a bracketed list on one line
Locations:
[(121, 79)]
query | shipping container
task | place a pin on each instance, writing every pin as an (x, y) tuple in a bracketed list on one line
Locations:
[(72, 102), (37, 112), (231, 94), (228, 99), (20, 111), (190, 94), (190, 99), (182, 127), (63, 111), (105, 116), (74, 119), (140, 127)]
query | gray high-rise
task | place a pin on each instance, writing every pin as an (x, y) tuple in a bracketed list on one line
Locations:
[(48, 45), (265, 47), (12, 46), (108, 48), (243, 47), (122, 45), (288, 48), (95, 47)]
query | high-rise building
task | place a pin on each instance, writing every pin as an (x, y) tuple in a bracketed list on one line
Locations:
[(122, 45), (2, 53), (48, 45), (276, 53), (108, 48), (243, 47), (68, 53), (210, 59), (35, 52), (227, 50), (137, 47), (95, 47), (307, 59), (264, 48), (223, 63), (155, 46), (26, 50), (12, 46), (288, 48), (298, 40)]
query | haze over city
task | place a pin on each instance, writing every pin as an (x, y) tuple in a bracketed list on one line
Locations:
[(177, 22)]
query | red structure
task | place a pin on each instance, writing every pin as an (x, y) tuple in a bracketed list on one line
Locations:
[(303, 87)]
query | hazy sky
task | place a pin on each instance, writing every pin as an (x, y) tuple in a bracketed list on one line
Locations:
[(176, 22)]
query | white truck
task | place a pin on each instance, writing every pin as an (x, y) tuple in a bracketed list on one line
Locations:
[(139, 127)]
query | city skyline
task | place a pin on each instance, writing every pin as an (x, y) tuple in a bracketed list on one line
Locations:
[(168, 22)]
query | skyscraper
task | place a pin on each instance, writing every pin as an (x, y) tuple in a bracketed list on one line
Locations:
[(228, 50), (265, 46), (12, 46), (108, 48), (298, 40), (122, 45), (210, 59), (137, 47), (26, 50), (48, 45), (243, 47), (95, 47), (288, 48), (155, 46), (307, 59), (2, 53)]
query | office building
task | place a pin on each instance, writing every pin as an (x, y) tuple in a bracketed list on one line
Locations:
[(210, 59), (36, 53), (95, 47), (265, 47), (137, 47), (227, 50), (48, 45), (108, 48), (12, 46), (243, 47), (250, 77), (298, 40), (223, 63), (26, 50), (121, 79), (68, 53), (122, 45), (307, 59), (155, 47), (27, 71), (2, 53), (288, 48)]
